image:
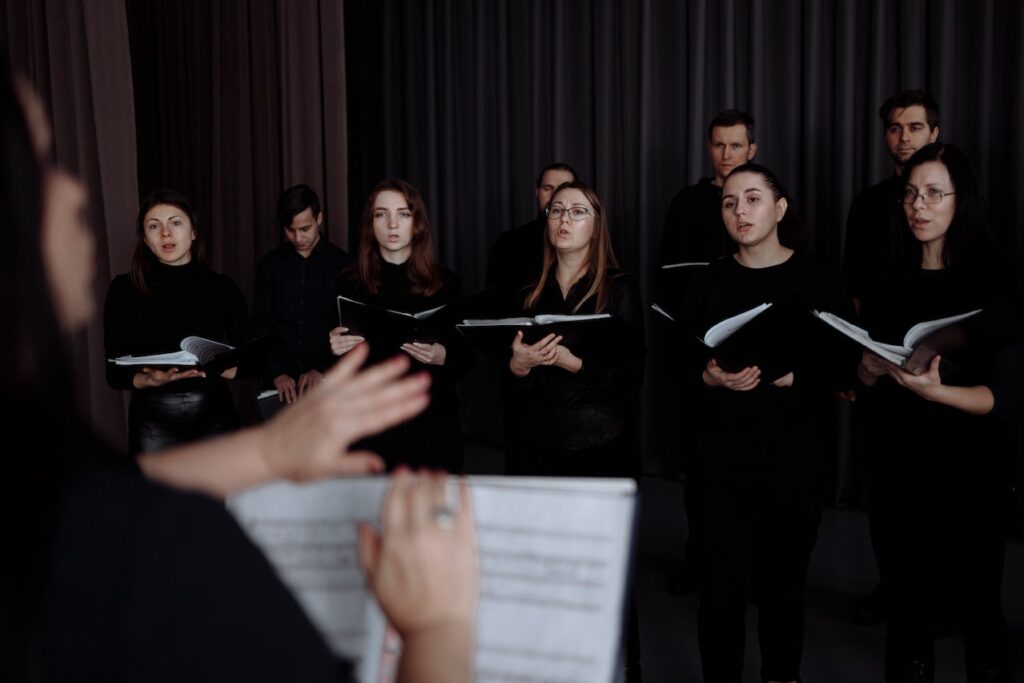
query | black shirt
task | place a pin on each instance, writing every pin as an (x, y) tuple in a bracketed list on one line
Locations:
[(870, 236), (774, 433), (146, 583), (294, 299), (184, 300), (694, 230), (567, 411), (517, 258), (434, 437)]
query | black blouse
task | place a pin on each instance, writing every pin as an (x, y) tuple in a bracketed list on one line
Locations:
[(573, 411), (184, 300)]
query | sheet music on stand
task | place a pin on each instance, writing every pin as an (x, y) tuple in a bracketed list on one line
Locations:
[(554, 562)]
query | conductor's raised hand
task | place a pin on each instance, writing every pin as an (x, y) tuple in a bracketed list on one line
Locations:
[(342, 343), (155, 377), (423, 565), (744, 380), (428, 354), (311, 439), (528, 356)]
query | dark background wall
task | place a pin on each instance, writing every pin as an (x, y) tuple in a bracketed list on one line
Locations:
[(468, 100)]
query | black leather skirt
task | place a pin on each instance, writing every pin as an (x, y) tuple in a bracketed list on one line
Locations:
[(159, 419)]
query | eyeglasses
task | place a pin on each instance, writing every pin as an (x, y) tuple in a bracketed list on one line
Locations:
[(576, 213), (932, 195)]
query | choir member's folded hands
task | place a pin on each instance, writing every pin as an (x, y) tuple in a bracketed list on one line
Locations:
[(528, 356), (311, 440), (744, 380), (423, 569), (342, 343), (567, 360), (286, 390), (428, 354), (308, 380)]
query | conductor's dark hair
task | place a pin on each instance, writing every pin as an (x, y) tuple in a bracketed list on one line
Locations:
[(969, 242), (910, 98), (730, 118), (791, 228), (557, 166), (294, 201), (37, 372), (143, 259)]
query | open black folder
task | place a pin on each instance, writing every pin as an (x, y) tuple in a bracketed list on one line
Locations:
[(755, 337), (921, 343), (198, 352), (588, 331), (391, 328)]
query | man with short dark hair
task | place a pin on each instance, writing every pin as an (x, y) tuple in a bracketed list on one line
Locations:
[(518, 254), (910, 120), (694, 230), (294, 297)]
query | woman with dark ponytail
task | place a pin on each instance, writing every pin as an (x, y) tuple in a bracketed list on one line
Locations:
[(762, 431)]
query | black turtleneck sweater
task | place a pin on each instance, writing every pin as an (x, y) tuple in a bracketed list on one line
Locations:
[(433, 438), (183, 300)]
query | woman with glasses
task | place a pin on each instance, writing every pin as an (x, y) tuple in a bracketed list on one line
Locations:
[(396, 269), (171, 294), (574, 404), (762, 430), (942, 459)]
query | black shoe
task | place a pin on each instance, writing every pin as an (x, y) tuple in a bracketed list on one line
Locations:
[(869, 610), (685, 582)]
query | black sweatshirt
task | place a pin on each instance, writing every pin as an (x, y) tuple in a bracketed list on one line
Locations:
[(184, 300), (294, 299)]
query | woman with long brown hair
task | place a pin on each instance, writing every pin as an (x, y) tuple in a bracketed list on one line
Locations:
[(574, 404), (396, 269)]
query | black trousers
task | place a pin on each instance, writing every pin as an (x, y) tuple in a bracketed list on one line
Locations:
[(957, 513), (759, 543), (160, 419)]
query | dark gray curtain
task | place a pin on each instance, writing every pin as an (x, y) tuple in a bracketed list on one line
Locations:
[(468, 100), (75, 53)]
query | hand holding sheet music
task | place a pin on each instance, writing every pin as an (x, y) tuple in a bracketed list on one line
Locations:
[(921, 343), (554, 557)]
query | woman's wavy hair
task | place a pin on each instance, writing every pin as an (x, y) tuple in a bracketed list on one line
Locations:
[(969, 241), (600, 263), (143, 258), (423, 270)]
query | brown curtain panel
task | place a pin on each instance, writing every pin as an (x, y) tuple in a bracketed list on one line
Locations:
[(76, 54)]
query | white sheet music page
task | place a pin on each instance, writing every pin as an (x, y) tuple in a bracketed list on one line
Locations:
[(554, 560)]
